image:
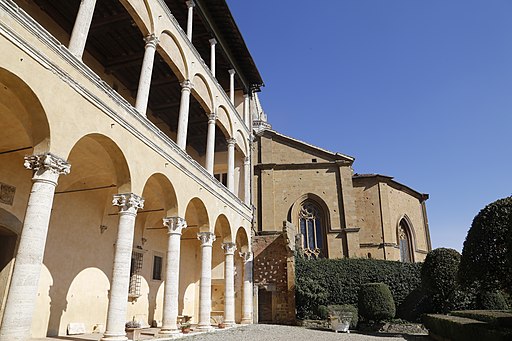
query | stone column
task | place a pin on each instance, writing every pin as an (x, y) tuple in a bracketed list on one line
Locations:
[(172, 274), (205, 289), (190, 4), (247, 181), (19, 307), (232, 85), (247, 110), (128, 204), (229, 290), (247, 288), (213, 42), (210, 143), (231, 165), (181, 140), (81, 28), (141, 103)]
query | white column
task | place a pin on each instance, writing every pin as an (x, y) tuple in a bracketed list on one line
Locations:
[(21, 299), (231, 165), (247, 181), (247, 288), (205, 289), (141, 103), (210, 143), (190, 4), (247, 115), (128, 204), (232, 86), (213, 42), (172, 274), (181, 140), (229, 277), (81, 28)]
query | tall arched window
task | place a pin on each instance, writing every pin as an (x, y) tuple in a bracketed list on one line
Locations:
[(311, 226), (405, 242)]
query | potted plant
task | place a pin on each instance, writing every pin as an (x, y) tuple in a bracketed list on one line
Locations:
[(132, 329), (185, 327)]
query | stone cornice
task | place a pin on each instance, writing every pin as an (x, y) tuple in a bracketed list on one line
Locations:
[(10, 8), (309, 165)]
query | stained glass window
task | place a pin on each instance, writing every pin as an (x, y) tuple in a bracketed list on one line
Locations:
[(311, 228)]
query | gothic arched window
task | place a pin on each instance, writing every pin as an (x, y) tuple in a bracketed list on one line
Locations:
[(405, 242), (311, 226)]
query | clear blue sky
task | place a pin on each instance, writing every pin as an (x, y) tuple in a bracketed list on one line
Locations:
[(418, 90)]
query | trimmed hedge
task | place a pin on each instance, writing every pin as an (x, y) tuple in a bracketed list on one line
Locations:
[(337, 281), (376, 302), (496, 318)]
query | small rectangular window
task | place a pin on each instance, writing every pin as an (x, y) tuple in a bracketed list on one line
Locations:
[(157, 268), (135, 277)]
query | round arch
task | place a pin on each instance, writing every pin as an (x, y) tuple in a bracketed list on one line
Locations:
[(173, 54), (224, 121), (242, 240), (140, 11), (202, 91), (241, 142), (196, 215), (222, 229)]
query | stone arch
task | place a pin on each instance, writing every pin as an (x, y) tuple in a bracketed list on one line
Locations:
[(222, 229), (196, 215), (10, 222), (406, 239), (24, 120), (242, 240), (173, 54), (202, 92), (161, 188), (140, 11), (94, 157), (224, 121), (294, 209), (241, 142)]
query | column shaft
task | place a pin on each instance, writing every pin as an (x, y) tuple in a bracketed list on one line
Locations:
[(81, 28), (190, 5), (210, 144), (247, 115), (205, 289), (172, 274), (141, 103), (181, 139), (247, 181), (213, 42), (21, 298), (247, 289), (232, 86), (231, 165), (229, 290), (117, 305)]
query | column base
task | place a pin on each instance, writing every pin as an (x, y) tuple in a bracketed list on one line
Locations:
[(246, 321), (230, 324), (114, 338), (205, 328), (168, 331)]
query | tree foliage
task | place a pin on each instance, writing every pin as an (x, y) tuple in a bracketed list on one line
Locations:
[(376, 302)]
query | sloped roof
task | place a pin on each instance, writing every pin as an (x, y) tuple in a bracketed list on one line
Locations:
[(390, 179)]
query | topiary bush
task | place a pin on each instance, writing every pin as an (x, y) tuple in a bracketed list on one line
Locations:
[(492, 300), (414, 306), (439, 279), (337, 281), (340, 309), (487, 252), (376, 302)]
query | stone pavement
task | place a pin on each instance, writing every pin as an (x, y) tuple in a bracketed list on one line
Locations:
[(270, 333)]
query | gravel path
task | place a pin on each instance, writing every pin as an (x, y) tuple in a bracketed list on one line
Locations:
[(273, 333)]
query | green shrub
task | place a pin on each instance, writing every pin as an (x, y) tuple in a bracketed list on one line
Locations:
[(340, 309), (414, 306), (340, 280), (376, 302), (457, 328), (492, 300), (487, 251), (322, 312), (439, 279)]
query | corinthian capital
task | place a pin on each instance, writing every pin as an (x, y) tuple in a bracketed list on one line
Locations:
[(231, 141), (128, 202), (246, 256), (151, 40), (229, 248), (206, 238), (175, 224), (47, 162)]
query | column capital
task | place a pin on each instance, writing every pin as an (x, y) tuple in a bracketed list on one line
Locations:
[(246, 256), (213, 41), (212, 118), (229, 248), (190, 3), (247, 160), (231, 141), (47, 162), (151, 40), (128, 202), (247, 96), (231, 72), (175, 224), (186, 85), (206, 238)]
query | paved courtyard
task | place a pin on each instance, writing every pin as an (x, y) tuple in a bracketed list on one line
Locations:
[(270, 333)]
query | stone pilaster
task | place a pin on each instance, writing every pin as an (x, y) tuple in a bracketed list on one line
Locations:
[(229, 277), (141, 103), (128, 204), (19, 307), (231, 165), (81, 28), (205, 289), (210, 143), (174, 225), (247, 307), (181, 140)]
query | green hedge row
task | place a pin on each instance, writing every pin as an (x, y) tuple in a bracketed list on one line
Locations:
[(337, 281)]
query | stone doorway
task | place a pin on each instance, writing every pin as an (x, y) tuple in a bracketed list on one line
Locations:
[(264, 306), (8, 240)]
